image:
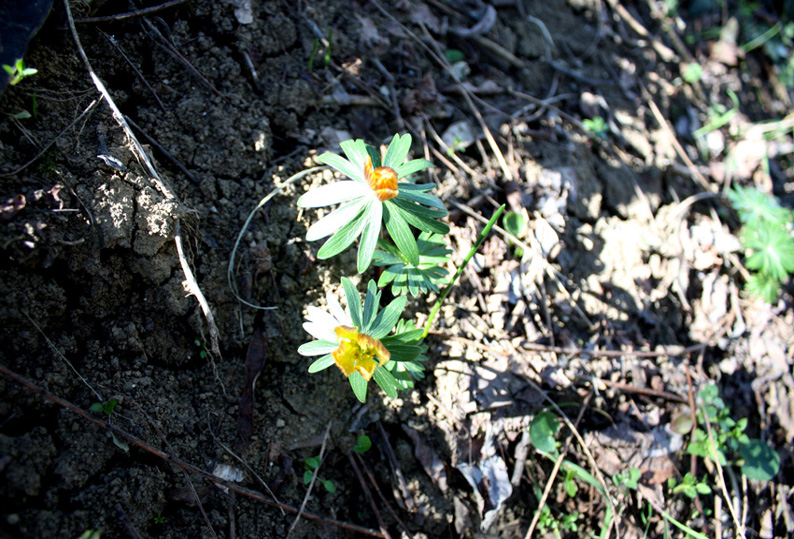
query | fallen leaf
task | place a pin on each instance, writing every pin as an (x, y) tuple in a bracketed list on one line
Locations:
[(429, 459)]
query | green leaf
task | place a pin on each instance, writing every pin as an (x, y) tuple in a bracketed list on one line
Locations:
[(542, 431), (316, 348), (703, 488), (307, 477), (97, 406), (356, 151), (363, 444), (400, 233), (353, 302), (415, 193), (773, 250), (397, 151), (453, 55), (514, 223), (313, 463), (329, 485), (121, 444), (371, 304), (761, 462), (422, 218), (763, 286), (359, 386), (386, 382), (753, 205), (343, 237), (369, 238), (411, 167), (322, 364), (387, 318)]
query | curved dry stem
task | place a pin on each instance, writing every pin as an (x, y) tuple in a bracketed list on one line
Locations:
[(230, 271)]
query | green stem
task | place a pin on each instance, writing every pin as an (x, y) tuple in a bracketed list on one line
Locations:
[(448, 288)]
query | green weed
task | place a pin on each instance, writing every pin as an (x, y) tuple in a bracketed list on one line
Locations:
[(766, 236)]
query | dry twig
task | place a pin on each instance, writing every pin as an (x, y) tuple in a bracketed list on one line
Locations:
[(8, 373)]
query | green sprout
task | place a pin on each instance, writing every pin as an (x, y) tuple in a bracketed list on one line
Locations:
[(159, 519), (597, 126), (19, 72), (689, 486), (106, 407), (756, 458), (691, 72), (309, 466), (371, 197), (363, 444), (516, 224)]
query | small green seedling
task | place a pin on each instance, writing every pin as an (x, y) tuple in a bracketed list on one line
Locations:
[(454, 55), (547, 522), (628, 478), (315, 46), (719, 115), (201, 345), (309, 466), (756, 458), (766, 236), (691, 72), (543, 431), (159, 519), (363, 444), (106, 407), (597, 126), (19, 72), (690, 486), (516, 224)]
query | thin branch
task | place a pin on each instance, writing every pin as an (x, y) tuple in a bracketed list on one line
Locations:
[(49, 144), (261, 498), (130, 14), (193, 287), (311, 485)]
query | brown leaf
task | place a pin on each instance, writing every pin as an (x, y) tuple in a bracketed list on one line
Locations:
[(260, 255), (425, 93), (254, 362)]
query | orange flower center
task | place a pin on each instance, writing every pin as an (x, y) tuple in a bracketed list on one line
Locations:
[(358, 352), (382, 180)]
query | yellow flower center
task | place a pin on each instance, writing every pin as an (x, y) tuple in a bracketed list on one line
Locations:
[(358, 352), (382, 180)]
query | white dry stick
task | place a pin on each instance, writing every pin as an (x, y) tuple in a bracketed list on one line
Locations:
[(314, 478), (192, 285)]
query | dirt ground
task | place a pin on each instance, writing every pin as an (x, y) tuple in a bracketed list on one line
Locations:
[(623, 297)]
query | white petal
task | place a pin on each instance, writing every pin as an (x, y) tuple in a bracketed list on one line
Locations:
[(332, 193), (338, 312), (320, 324), (334, 220)]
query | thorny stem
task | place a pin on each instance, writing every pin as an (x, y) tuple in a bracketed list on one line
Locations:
[(466, 260)]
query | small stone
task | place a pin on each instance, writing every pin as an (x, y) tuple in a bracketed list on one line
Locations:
[(280, 423)]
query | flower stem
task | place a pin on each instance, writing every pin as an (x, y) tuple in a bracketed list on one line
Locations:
[(466, 260)]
